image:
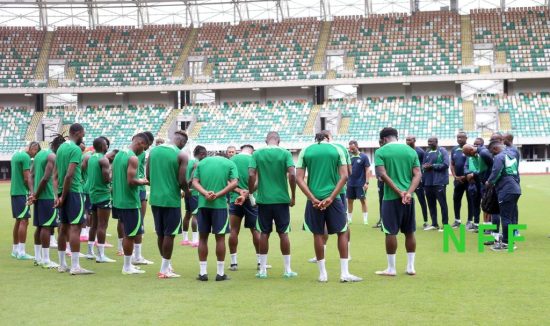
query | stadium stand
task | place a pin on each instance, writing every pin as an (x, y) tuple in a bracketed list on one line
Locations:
[(419, 116), (249, 122), (260, 50), (523, 34), (19, 51), (425, 43), (117, 123), (121, 55), (13, 127)]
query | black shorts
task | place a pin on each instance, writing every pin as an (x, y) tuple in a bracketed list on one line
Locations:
[(131, 219), (107, 204), (344, 201), (246, 210), (167, 220), (355, 192), (398, 217), (273, 213), (333, 217), (45, 215), (87, 203), (213, 220), (191, 204), (72, 211), (19, 207), (143, 195)]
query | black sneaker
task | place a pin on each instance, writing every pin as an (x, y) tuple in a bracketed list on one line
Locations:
[(223, 277), (425, 225), (456, 224), (489, 243), (234, 267), (377, 225), (203, 278)]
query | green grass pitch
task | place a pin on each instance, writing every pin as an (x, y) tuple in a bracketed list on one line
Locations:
[(456, 288)]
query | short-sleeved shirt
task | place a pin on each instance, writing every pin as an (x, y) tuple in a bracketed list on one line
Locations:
[(358, 175), (213, 173), (124, 195), (20, 162), (66, 154), (85, 182), (189, 175), (242, 162), (459, 160), (348, 162), (399, 161), (100, 191), (271, 164), (40, 162), (322, 162), (164, 176), (141, 169)]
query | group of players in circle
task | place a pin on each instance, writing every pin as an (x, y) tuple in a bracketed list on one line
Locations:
[(259, 185)]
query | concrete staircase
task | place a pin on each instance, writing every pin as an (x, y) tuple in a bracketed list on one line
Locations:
[(469, 115), (163, 131), (344, 125), (43, 57), (466, 40), (33, 125), (194, 132), (187, 48), (309, 128), (324, 37), (504, 121)]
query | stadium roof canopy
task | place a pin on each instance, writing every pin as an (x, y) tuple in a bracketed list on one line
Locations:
[(91, 13)]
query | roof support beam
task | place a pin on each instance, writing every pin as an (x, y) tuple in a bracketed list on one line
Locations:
[(43, 14), (93, 16)]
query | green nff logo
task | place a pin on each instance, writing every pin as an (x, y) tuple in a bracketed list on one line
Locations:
[(460, 242)]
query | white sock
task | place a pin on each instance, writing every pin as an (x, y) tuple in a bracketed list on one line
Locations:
[(75, 260), (101, 250), (45, 255), (220, 268), (38, 253), (344, 271), (263, 263), (349, 250), (234, 259), (119, 246), (366, 217), (350, 215), (185, 236), (21, 248), (391, 263), (165, 265), (137, 251), (286, 260), (410, 261), (322, 269), (61, 255), (90, 247), (127, 262), (195, 237), (15, 248), (258, 258), (202, 265)]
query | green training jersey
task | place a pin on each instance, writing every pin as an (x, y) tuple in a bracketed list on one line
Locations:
[(322, 162), (20, 162), (141, 169), (271, 164), (69, 153), (85, 183), (242, 161), (189, 175), (163, 176), (100, 191), (214, 172), (40, 162), (398, 160), (348, 162), (124, 195)]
